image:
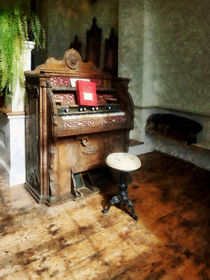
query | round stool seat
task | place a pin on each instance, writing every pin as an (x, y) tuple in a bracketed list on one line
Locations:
[(123, 161)]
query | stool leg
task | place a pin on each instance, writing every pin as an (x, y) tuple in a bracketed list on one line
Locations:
[(121, 197), (115, 200), (130, 206), (124, 196)]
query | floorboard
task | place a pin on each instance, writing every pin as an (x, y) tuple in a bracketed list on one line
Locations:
[(74, 240)]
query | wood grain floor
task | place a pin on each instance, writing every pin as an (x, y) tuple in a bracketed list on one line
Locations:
[(74, 240)]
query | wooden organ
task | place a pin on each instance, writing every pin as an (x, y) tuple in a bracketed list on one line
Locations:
[(64, 139)]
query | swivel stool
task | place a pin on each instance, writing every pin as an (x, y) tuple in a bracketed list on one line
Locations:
[(124, 162)]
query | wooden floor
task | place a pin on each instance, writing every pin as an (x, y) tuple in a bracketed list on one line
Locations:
[(74, 240)]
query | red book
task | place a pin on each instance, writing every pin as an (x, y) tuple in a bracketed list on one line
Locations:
[(86, 93)]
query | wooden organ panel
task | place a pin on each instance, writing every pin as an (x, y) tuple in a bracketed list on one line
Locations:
[(63, 138)]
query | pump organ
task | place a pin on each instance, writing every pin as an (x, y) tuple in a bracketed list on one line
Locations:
[(63, 138)]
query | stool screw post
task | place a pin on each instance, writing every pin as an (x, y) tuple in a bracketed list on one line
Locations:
[(123, 184)]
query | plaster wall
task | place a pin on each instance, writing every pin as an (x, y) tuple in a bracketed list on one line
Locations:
[(178, 32), (164, 49), (63, 19), (130, 51), (180, 38)]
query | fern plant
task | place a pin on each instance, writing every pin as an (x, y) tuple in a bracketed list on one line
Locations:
[(15, 27)]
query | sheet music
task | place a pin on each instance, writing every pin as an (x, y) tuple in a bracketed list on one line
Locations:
[(73, 81)]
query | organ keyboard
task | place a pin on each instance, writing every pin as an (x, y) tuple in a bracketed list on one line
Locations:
[(63, 138)]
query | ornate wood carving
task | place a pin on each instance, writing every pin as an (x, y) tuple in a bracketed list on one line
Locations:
[(79, 123), (110, 121), (60, 81), (68, 98), (102, 98), (72, 59)]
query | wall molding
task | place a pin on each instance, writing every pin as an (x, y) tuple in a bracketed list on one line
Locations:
[(172, 109)]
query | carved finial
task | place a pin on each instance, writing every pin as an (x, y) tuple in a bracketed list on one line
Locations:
[(72, 59)]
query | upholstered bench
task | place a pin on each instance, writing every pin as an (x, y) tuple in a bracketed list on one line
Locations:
[(125, 163), (172, 126)]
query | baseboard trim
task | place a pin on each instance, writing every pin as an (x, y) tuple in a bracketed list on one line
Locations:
[(172, 110)]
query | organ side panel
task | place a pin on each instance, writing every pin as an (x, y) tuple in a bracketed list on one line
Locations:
[(33, 179)]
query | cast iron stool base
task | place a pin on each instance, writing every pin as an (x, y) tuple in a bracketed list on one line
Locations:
[(122, 197)]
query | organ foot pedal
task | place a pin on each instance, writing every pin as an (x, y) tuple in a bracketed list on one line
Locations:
[(82, 184)]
